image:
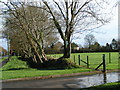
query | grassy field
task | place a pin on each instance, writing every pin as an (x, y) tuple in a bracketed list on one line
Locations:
[(95, 59), (16, 68)]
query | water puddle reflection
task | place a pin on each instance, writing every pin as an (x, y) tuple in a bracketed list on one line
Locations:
[(97, 79)]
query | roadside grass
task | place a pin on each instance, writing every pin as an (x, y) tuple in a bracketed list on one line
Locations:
[(16, 68), (3, 59), (95, 59), (108, 86), (14, 64)]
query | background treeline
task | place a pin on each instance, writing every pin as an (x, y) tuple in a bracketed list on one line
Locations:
[(75, 48)]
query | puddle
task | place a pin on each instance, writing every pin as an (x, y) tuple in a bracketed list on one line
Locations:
[(97, 79)]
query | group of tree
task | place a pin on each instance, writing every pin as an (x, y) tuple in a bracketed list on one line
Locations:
[(31, 27), (91, 45), (58, 48), (27, 28)]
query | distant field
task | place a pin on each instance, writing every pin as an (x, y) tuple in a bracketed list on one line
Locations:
[(94, 59)]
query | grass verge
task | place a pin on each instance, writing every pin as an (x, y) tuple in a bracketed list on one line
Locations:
[(16, 68), (3, 59)]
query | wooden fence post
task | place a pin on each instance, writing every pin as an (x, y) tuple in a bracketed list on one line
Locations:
[(87, 62), (104, 63), (79, 59), (109, 57)]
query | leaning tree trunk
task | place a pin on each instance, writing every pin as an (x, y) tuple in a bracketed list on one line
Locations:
[(44, 58), (40, 52)]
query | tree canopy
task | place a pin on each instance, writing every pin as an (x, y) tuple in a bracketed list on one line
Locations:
[(32, 26), (72, 17), (29, 29)]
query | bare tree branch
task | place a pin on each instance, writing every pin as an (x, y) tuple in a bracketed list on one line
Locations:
[(60, 9)]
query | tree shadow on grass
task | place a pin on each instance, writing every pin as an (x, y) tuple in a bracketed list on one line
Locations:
[(51, 64), (14, 69), (49, 69)]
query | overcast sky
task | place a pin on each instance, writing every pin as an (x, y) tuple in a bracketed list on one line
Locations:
[(103, 35)]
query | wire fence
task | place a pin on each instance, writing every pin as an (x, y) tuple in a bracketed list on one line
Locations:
[(93, 59)]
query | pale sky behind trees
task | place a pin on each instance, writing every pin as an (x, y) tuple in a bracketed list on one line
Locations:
[(103, 35)]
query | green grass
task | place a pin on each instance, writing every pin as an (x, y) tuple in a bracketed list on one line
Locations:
[(14, 63), (108, 86), (16, 68), (3, 59), (95, 59)]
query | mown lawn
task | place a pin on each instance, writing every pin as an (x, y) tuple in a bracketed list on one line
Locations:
[(16, 68)]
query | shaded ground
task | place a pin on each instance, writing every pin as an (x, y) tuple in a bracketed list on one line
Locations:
[(4, 61)]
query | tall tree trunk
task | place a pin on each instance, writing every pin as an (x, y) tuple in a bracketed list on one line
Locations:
[(67, 49)]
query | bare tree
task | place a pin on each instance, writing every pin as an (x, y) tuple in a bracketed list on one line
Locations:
[(27, 27), (72, 17), (89, 40)]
